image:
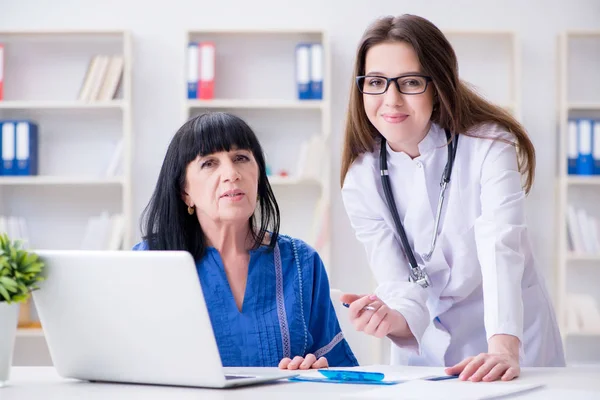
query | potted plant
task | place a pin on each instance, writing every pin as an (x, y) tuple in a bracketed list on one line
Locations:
[(20, 270)]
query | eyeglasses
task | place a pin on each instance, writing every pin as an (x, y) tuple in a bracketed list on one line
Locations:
[(406, 84)]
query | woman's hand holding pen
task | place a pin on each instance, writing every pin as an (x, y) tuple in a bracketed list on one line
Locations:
[(372, 316)]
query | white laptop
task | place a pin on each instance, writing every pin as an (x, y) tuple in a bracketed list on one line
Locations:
[(134, 317)]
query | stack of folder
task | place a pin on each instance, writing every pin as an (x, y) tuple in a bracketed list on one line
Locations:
[(309, 71), (19, 148), (583, 146)]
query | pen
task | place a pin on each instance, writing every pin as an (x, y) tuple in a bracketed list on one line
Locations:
[(441, 378), (370, 308)]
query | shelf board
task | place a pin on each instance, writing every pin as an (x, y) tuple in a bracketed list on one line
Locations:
[(58, 180), (583, 106), (257, 104), (583, 179), (290, 180), (583, 33), (61, 32), (263, 31), (61, 105), (477, 33), (583, 257)]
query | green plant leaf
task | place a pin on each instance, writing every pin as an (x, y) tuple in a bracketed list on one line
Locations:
[(8, 282), (30, 259), (20, 298), (4, 293), (35, 268), (19, 270)]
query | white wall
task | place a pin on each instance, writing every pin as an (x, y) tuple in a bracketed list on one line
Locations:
[(158, 75)]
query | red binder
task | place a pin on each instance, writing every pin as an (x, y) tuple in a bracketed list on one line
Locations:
[(206, 75), (1, 71)]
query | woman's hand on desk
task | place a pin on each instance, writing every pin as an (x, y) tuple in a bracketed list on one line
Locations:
[(377, 319), (501, 362), (308, 362)]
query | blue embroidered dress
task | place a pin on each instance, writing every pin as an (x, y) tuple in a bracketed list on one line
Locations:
[(286, 312)]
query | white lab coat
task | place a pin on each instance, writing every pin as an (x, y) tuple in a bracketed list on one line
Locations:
[(483, 273)]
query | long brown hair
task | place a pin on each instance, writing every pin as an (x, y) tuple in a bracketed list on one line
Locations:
[(458, 108)]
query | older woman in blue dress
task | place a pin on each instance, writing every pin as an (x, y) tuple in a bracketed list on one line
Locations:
[(267, 294)]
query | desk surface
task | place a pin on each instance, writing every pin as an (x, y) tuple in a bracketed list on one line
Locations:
[(28, 383)]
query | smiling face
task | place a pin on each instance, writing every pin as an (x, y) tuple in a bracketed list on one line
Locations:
[(403, 119), (222, 187)]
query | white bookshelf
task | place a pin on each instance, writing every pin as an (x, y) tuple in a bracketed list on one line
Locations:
[(43, 74), (255, 80), (578, 97)]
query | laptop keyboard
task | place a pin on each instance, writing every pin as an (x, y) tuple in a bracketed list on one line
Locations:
[(232, 377)]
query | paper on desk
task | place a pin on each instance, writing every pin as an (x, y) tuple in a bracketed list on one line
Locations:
[(560, 394), (420, 389)]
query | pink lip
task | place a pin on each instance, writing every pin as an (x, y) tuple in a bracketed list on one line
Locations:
[(394, 118), (233, 195)]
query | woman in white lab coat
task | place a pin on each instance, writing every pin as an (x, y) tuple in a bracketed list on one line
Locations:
[(479, 306)]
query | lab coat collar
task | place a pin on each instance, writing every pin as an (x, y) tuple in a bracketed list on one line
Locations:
[(435, 138)]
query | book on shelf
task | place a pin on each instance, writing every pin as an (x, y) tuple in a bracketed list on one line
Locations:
[(582, 313), (16, 229), (104, 232), (1, 72), (583, 146), (201, 70), (583, 231), (310, 158), (19, 148), (309, 71), (115, 165), (102, 78)]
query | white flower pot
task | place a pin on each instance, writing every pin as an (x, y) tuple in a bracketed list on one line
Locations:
[(9, 317)]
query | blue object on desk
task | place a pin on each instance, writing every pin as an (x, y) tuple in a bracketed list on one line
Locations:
[(347, 376), (351, 375)]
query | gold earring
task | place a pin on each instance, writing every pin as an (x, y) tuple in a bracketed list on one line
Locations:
[(190, 210)]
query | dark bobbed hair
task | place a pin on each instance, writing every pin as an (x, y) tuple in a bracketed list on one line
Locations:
[(165, 222)]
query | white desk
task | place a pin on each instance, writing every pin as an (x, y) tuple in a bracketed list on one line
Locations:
[(29, 383)]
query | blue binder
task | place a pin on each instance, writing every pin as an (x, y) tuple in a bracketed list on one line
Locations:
[(1, 161), (303, 71), (316, 71), (192, 72), (572, 150), (596, 146), (26, 148), (9, 165), (585, 160)]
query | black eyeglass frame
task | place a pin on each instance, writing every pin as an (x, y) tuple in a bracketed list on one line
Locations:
[(395, 80)]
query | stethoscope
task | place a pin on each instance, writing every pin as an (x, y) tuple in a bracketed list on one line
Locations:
[(417, 272)]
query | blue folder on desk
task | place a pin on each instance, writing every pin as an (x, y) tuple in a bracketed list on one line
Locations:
[(356, 377)]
